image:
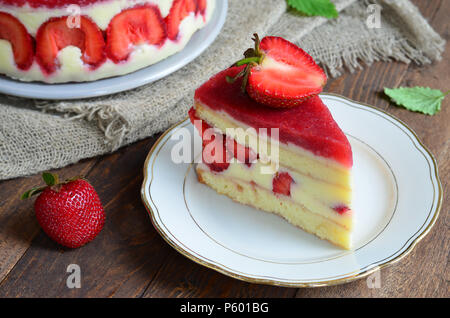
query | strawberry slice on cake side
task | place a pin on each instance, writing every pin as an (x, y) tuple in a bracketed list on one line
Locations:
[(55, 35), (62, 41), (14, 32), (135, 26), (311, 184)]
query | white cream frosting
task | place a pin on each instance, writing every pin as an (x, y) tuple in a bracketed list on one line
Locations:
[(72, 67)]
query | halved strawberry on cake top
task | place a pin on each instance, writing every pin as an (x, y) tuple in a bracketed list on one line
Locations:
[(310, 184), (58, 41)]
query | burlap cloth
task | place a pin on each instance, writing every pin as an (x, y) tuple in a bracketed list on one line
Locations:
[(35, 136)]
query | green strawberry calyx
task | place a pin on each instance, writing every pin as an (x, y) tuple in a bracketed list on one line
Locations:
[(51, 180), (253, 57)]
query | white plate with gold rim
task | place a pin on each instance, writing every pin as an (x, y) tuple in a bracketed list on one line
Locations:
[(397, 198)]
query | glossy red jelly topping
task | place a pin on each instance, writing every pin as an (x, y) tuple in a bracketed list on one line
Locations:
[(309, 125), (49, 3)]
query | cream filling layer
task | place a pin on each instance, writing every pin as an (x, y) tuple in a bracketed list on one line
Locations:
[(260, 198), (291, 156), (72, 68), (317, 197)]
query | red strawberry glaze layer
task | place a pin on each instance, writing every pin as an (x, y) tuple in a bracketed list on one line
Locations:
[(310, 125), (49, 3)]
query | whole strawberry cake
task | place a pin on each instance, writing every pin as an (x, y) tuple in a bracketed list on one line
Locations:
[(58, 41)]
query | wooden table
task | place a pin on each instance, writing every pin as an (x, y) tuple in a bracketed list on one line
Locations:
[(129, 258)]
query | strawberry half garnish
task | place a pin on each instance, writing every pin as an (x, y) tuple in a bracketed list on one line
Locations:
[(135, 26), (57, 33), (282, 183), (13, 31), (178, 12), (70, 213), (280, 74)]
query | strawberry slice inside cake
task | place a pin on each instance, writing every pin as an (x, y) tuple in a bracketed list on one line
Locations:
[(302, 174), (59, 41)]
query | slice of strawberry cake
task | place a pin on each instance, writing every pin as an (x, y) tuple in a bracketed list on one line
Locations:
[(57, 41), (271, 143)]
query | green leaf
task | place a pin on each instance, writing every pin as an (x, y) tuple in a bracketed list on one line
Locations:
[(32, 192), (50, 179), (323, 8), (418, 99)]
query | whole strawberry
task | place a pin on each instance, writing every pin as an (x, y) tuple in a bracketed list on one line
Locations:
[(279, 74), (70, 213)]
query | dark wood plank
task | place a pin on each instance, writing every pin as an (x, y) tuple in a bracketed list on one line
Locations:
[(121, 261), (129, 259), (18, 223), (365, 85), (423, 272), (180, 277)]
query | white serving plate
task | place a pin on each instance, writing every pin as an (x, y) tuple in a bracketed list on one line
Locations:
[(397, 198), (199, 42)]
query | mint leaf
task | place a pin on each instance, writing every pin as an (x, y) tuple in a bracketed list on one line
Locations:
[(323, 8), (418, 99)]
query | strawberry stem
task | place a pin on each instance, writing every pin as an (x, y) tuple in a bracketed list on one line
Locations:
[(246, 75), (253, 57), (250, 60)]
